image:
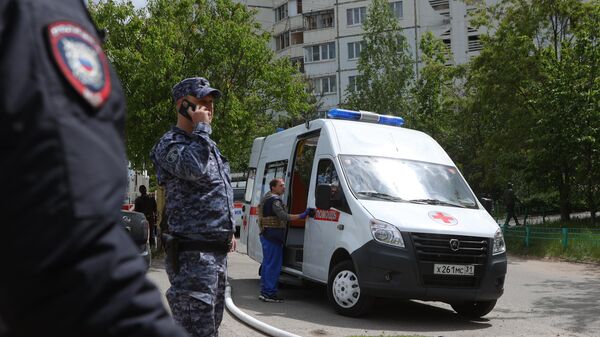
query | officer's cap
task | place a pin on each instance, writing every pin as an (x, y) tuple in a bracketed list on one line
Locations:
[(194, 86)]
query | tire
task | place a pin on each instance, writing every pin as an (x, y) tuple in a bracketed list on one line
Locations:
[(474, 309), (343, 291)]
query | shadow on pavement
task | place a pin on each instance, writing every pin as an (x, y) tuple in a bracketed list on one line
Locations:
[(580, 307), (310, 304)]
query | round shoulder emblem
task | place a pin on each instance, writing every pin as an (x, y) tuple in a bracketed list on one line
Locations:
[(443, 218), (172, 155), (81, 60)]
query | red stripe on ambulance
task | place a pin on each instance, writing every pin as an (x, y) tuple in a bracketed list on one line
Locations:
[(327, 215)]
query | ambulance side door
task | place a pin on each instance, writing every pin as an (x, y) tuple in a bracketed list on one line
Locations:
[(322, 232), (246, 208), (272, 170)]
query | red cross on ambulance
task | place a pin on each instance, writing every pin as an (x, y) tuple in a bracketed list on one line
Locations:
[(443, 218)]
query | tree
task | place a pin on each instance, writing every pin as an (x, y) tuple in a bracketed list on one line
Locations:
[(537, 82), (432, 91), (155, 47), (385, 67)]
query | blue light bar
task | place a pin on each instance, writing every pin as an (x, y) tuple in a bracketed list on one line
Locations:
[(365, 116), (343, 114), (391, 120)]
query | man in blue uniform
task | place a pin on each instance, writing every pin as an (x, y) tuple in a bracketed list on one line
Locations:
[(199, 209), (68, 268), (272, 219)]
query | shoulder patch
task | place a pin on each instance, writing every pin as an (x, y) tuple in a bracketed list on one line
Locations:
[(81, 60), (172, 156)]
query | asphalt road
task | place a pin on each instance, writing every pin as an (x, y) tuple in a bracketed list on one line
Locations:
[(542, 298)]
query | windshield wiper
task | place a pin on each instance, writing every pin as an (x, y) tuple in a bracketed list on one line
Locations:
[(379, 195), (435, 202)]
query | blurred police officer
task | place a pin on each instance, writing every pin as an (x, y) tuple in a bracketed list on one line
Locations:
[(147, 204), (68, 268), (199, 208)]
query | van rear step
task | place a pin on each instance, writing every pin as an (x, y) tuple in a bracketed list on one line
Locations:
[(291, 280)]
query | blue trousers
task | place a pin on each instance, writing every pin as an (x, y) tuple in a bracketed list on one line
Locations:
[(271, 266)]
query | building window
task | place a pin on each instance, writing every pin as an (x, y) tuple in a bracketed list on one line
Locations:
[(448, 44), (299, 6), (475, 43), (298, 62), (439, 5), (297, 38), (324, 85), (397, 9), (281, 12), (352, 83), (282, 41), (354, 49), (319, 20), (319, 52), (356, 16)]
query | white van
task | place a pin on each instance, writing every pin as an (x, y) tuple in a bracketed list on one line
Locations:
[(394, 216)]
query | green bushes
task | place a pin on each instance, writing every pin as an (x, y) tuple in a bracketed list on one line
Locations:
[(575, 243)]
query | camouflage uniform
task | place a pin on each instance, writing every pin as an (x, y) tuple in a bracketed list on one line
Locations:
[(199, 206)]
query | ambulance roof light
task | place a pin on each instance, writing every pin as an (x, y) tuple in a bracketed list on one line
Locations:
[(365, 116)]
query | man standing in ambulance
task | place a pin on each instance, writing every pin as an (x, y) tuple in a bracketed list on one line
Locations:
[(272, 219)]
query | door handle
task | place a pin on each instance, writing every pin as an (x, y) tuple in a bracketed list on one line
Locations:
[(340, 227)]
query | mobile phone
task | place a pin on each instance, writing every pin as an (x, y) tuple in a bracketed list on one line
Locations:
[(183, 109)]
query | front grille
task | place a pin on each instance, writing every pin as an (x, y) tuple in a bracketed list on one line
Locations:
[(436, 248)]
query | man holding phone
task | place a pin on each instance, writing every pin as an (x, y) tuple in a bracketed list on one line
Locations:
[(199, 209)]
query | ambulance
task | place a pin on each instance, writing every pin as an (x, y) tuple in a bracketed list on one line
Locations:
[(394, 216)]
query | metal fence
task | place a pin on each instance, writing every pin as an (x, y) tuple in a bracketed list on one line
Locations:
[(566, 236)]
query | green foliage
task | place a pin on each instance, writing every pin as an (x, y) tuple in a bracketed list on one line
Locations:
[(583, 244), (525, 110), (427, 114), (154, 48), (385, 66), (536, 85)]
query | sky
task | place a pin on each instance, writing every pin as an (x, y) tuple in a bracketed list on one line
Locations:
[(139, 3)]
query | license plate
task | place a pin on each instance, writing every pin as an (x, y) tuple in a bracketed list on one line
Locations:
[(454, 269)]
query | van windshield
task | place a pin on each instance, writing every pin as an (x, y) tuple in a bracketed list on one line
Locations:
[(399, 180)]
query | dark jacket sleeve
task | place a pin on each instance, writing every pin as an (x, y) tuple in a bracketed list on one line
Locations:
[(67, 271), (188, 161)]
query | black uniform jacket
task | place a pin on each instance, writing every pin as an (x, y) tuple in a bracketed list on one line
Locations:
[(67, 269)]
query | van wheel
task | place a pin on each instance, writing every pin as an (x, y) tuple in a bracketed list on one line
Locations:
[(473, 309), (344, 292)]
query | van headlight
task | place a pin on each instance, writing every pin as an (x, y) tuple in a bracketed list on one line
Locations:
[(499, 244), (386, 233)]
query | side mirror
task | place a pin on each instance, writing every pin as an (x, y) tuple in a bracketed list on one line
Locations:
[(322, 197), (487, 204)]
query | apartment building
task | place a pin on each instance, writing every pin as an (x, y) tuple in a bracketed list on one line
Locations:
[(324, 38)]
